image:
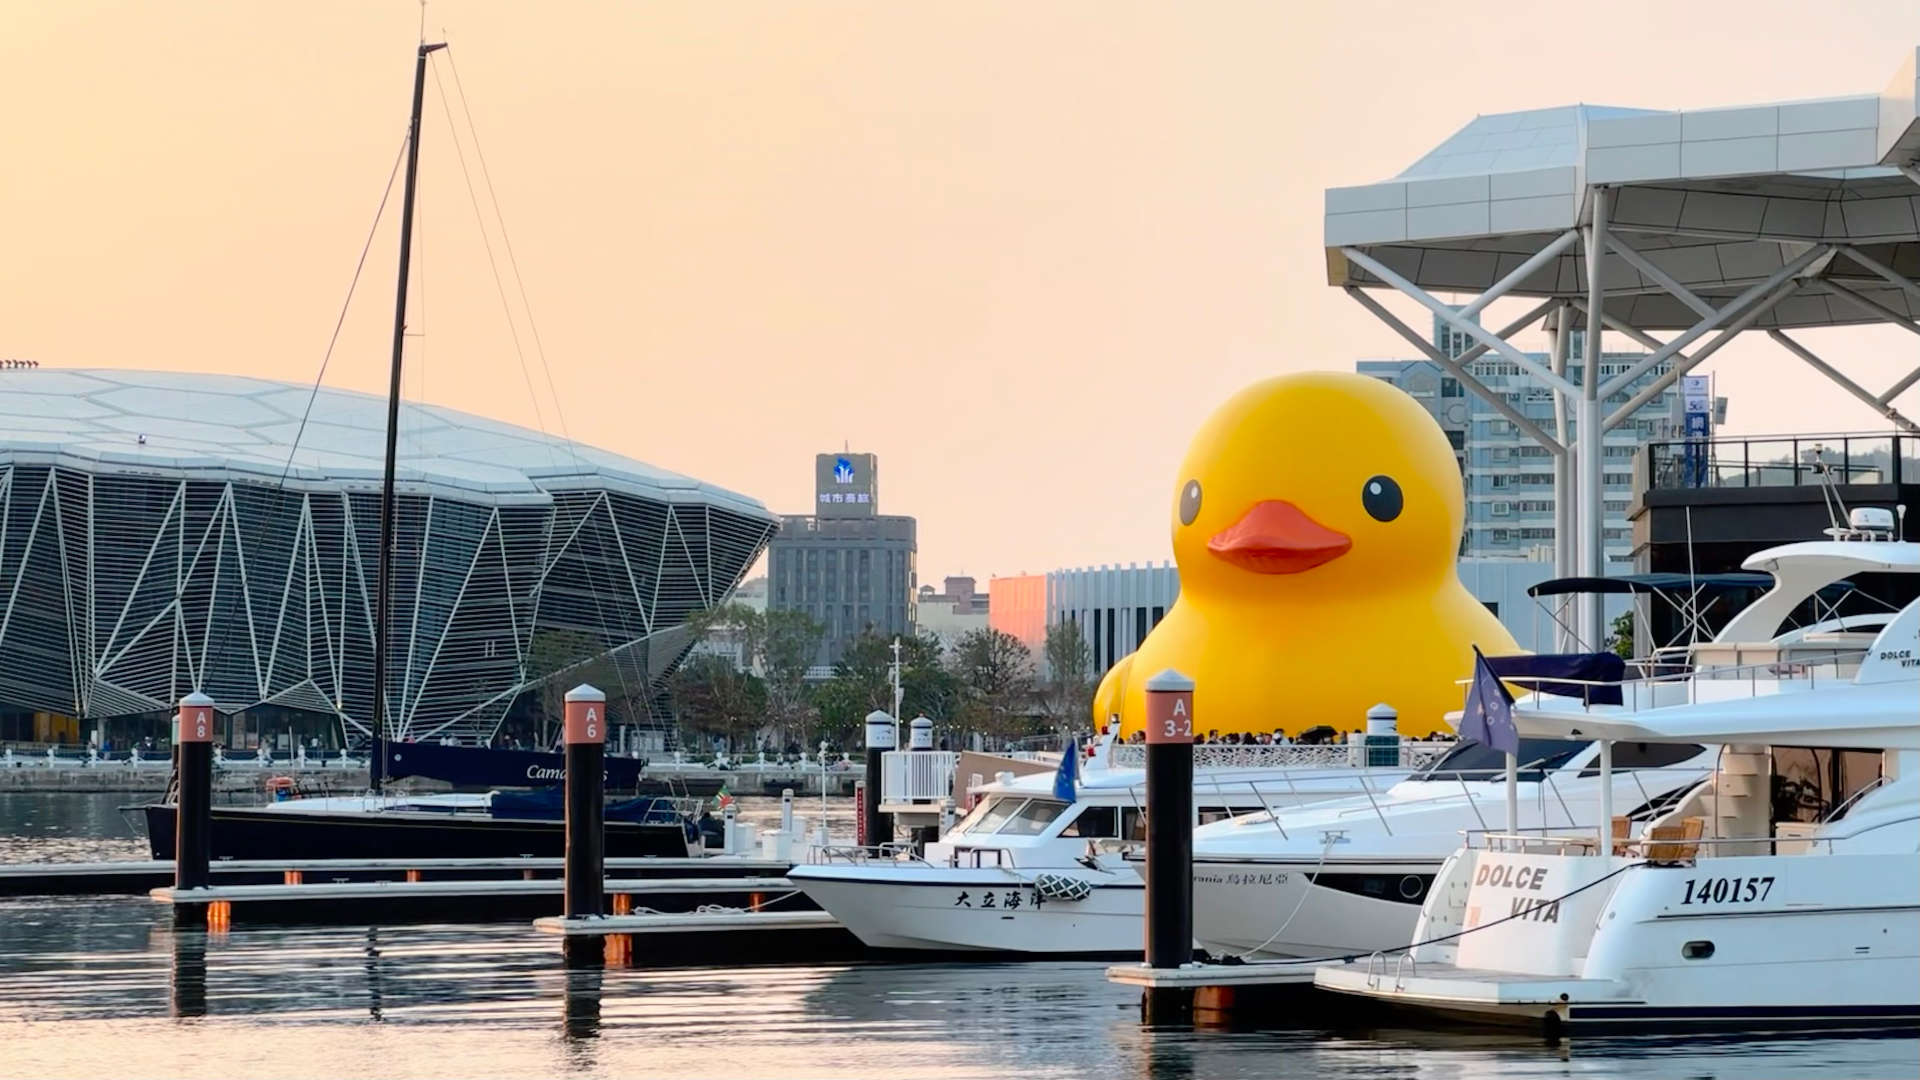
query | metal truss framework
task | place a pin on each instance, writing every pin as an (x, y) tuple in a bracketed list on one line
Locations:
[(1783, 280), (120, 593)]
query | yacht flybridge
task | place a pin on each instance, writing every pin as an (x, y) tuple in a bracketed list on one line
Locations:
[(1783, 890), (1351, 875)]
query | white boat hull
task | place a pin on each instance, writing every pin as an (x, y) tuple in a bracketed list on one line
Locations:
[(1274, 909), (941, 909)]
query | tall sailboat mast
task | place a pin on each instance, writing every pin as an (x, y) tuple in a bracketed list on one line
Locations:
[(383, 593)]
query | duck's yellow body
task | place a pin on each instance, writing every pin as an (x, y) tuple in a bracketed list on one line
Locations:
[(1316, 522)]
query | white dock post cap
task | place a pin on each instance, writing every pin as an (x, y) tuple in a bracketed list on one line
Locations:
[(586, 692), (880, 731), (197, 699), (1382, 711), (1169, 681)]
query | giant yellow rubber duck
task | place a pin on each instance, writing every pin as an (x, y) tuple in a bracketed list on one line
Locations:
[(1316, 522)]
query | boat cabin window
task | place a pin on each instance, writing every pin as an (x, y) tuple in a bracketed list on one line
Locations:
[(1133, 823), (1210, 814), (1809, 783), (1645, 755), (1476, 761), (1094, 822), (1033, 818), (990, 815)]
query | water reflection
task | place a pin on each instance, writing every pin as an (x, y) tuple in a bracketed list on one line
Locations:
[(187, 985), (580, 1016), (372, 969), (101, 988)]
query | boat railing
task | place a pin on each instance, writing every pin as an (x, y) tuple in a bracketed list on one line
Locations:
[(1678, 850), (1412, 754), (917, 776), (1543, 840), (1717, 683)]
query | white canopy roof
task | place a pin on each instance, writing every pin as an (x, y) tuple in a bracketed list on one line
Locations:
[(1717, 199), (169, 423)]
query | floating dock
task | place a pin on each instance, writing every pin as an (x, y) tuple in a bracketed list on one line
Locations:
[(140, 878), (466, 900), (784, 937)]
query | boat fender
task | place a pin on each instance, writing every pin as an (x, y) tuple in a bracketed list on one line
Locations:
[(1062, 887)]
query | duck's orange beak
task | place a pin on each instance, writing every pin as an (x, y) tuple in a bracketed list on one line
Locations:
[(1277, 537)]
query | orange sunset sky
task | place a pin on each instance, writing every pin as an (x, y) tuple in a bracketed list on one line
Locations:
[(1018, 249)]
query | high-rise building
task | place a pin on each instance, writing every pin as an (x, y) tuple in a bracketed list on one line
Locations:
[(846, 565), (1509, 476)]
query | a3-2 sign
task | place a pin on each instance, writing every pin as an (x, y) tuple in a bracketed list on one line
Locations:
[(1169, 716)]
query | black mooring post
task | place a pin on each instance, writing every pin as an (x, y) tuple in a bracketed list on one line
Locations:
[(881, 737), (193, 814), (585, 735), (1169, 831)]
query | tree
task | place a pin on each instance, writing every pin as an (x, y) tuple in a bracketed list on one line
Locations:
[(741, 626), (562, 659), (787, 647), (713, 696), (995, 674), (1068, 696), (863, 681), (1621, 639)]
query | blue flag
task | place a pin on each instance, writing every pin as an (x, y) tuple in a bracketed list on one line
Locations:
[(1069, 774), (1487, 717)]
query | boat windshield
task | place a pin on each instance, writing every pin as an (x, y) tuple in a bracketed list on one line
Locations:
[(1477, 761), (1033, 818), (989, 815)]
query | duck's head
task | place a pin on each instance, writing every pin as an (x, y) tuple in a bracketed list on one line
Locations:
[(1322, 481)]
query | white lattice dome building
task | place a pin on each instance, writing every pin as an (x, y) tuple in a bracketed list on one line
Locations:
[(160, 533)]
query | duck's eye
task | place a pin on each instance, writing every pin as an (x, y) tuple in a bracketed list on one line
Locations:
[(1381, 497), (1189, 502)]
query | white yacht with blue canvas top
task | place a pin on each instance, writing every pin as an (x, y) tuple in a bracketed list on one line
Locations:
[(1782, 893), (1350, 875)]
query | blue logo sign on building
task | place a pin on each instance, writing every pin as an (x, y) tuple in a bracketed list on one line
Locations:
[(842, 471)]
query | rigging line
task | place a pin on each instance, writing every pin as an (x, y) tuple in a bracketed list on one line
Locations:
[(293, 449), (594, 588), (513, 329), (341, 321), (506, 240)]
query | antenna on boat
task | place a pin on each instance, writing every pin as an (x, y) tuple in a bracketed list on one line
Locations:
[(383, 592)]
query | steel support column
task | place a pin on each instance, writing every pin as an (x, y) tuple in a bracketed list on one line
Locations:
[(1842, 381), (1747, 319), (1589, 500), (1458, 370), (1563, 481), (1447, 315)]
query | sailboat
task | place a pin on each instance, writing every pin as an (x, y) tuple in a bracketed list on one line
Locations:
[(491, 824)]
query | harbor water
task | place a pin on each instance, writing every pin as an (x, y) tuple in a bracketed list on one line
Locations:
[(105, 987)]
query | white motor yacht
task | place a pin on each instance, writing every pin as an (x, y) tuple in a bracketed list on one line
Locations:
[(1782, 893), (1351, 875), (1028, 872)]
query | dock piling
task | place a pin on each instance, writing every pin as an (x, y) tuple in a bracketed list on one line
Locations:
[(881, 737), (193, 819), (585, 735), (1169, 836)]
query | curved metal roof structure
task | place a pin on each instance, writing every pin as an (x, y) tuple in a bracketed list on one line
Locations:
[(1696, 224), (144, 421), (149, 548)]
